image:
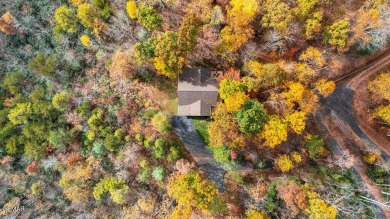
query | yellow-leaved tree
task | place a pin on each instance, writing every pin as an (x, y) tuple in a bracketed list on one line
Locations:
[(296, 121), (235, 101), (274, 131), (313, 56), (131, 8), (225, 129), (317, 207), (240, 14), (254, 214), (337, 35), (313, 24), (276, 14), (86, 41), (284, 163), (325, 87), (192, 192), (380, 87), (298, 95), (383, 112)]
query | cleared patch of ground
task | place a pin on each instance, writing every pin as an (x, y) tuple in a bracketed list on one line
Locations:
[(164, 92)]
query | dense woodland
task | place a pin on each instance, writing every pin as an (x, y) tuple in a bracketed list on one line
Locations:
[(88, 88)]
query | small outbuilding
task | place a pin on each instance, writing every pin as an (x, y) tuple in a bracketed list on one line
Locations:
[(197, 92)]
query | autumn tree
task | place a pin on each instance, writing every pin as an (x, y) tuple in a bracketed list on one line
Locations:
[(368, 19), (304, 7), (77, 2), (304, 73), (296, 157), (337, 34), (298, 94), (284, 163), (235, 100), (148, 17), (87, 15), (265, 75), (254, 214), (60, 100), (86, 41), (313, 56), (225, 129), (20, 114), (274, 132), (121, 65), (187, 34), (240, 14), (43, 65), (32, 168), (380, 87), (66, 19), (383, 112), (7, 23), (131, 8), (77, 181), (325, 87), (228, 87), (192, 192), (73, 159), (315, 146), (161, 123), (294, 93), (317, 207), (201, 9), (168, 60), (313, 24), (37, 188), (251, 117), (296, 121), (231, 74), (217, 15), (117, 188), (293, 196), (276, 14), (371, 157), (232, 39)]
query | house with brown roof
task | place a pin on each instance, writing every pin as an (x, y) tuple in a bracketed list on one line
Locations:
[(197, 92)]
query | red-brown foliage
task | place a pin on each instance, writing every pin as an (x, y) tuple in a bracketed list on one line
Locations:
[(7, 23), (73, 159), (6, 160), (232, 74), (32, 168), (293, 196)]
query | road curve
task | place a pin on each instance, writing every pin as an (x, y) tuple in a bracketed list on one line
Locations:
[(337, 116)]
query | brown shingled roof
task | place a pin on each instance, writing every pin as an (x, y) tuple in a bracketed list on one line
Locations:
[(197, 92)]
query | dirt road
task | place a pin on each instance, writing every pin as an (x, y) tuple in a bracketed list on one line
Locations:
[(343, 117)]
